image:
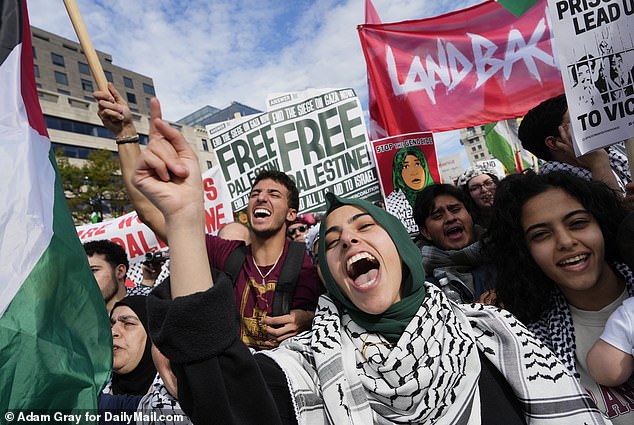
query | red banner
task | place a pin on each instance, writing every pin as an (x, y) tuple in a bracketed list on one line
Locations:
[(465, 68)]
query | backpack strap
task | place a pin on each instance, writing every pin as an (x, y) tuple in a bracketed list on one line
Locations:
[(287, 282), (234, 262)]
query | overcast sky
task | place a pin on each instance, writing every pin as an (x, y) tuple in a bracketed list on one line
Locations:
[(213, 52)]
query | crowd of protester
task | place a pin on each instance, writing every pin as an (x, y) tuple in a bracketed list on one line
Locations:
[(511, 302)]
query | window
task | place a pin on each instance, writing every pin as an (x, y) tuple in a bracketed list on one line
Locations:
[(209, 164), (61, 78), (63, 124), (37, 71), (75, 151), (205, 145), (131, 97), (148, 89), (57, 59), (64, 92), (147, 102), (41, 37), (479, 147), (83, 68), (34, 55), (128, 82), (86, 85), (108, 75), (473, 149)]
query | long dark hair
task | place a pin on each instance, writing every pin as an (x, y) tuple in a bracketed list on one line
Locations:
[(522, 287)]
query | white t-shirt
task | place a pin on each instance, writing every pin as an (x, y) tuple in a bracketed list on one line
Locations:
[(617, 403), (619, 331)]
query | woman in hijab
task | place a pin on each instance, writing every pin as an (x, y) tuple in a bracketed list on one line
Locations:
[(410, 175), (385, 346), (133, 370)]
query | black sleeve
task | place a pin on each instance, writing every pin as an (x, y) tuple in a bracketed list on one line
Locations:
[(497, 400), (276, 381), (219, 381)]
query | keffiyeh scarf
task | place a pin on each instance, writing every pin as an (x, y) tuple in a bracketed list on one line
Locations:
[(618, 162), (338, 373), (555, 328), (161, 402)]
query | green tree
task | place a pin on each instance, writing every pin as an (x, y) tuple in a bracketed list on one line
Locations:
[(96, 186)]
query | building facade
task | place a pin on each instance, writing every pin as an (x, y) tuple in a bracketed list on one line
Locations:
[(65, 86), (472, 138)]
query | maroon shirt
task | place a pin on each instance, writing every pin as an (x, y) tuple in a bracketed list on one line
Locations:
[(254, 295)]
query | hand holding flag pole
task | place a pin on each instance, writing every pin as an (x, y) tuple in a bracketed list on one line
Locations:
[(86, 44)]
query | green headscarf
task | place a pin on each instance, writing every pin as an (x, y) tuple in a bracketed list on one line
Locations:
[(397, 172), (395, 319)]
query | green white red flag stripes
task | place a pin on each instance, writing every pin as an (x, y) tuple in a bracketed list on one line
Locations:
[(55, 339)]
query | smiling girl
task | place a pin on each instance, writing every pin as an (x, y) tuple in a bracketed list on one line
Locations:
[(552, 239)]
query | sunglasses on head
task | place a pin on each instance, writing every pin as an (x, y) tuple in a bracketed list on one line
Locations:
[(301, 229)]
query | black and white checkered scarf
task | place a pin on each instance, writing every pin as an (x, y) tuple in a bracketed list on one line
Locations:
[(618, 162), (339, 373)]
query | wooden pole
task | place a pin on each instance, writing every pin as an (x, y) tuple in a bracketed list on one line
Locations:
[(86, 45)]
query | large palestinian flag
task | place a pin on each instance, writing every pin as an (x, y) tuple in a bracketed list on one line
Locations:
[(55, 340)]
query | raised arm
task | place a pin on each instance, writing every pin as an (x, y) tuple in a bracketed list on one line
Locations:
[(116, 117), (218, 379), (168, 175)]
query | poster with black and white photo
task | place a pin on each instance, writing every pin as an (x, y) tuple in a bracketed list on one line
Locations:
[(595, 43)]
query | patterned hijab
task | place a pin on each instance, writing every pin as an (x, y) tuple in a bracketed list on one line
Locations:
[(392, 322)]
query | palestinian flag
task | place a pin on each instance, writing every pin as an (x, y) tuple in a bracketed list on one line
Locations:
[(55, 338), (503, 144), (517, 7)]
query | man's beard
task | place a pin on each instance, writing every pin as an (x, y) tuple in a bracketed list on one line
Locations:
[(108, 296)]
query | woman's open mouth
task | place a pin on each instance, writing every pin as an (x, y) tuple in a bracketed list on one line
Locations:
[(363, 269)]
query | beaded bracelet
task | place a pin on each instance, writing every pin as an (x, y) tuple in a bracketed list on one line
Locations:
[(127, 139)]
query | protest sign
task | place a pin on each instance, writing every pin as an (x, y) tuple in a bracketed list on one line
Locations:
[(137, 239), (317, 137), (406, 164), (461, 69), (596, 52)]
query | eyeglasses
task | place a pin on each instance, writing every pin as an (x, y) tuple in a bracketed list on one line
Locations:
[(477, 188), (300, 229)]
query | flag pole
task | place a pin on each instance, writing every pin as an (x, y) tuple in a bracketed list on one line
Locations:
[(86, 44)]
